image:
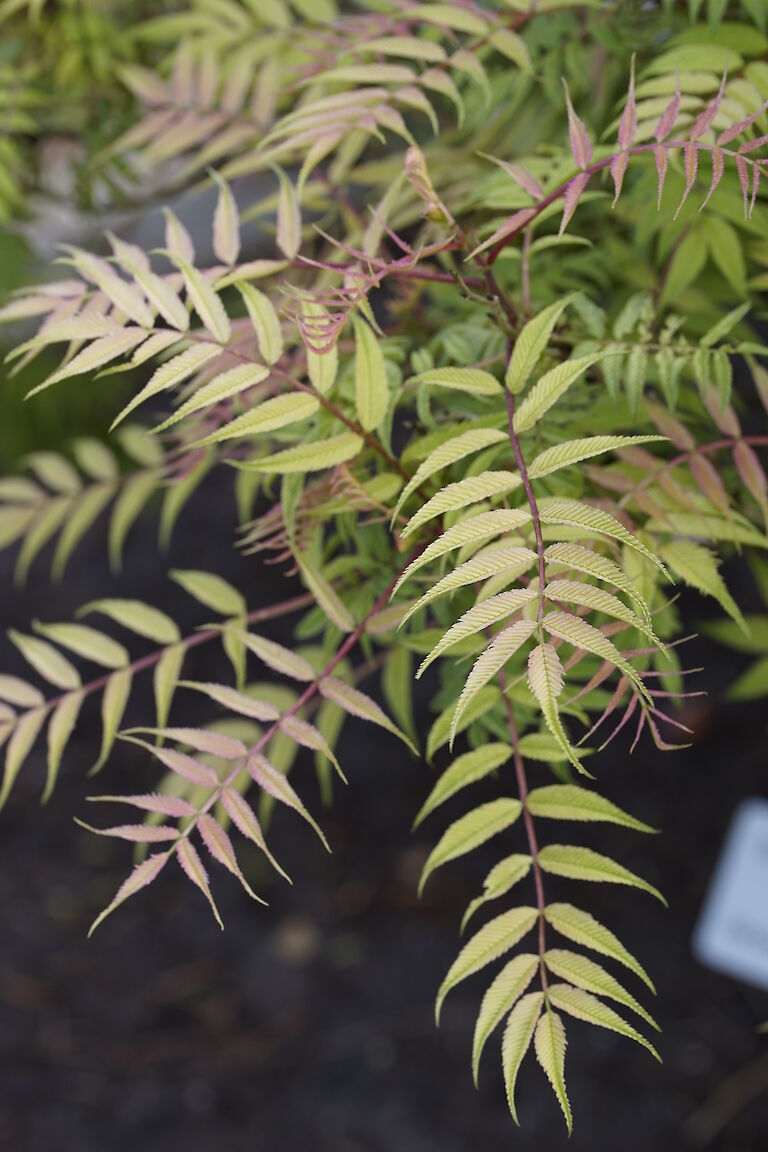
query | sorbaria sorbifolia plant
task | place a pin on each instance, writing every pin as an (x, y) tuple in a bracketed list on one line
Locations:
[(473, 390)]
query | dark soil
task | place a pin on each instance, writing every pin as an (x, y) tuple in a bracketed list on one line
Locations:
[(309, 1025)]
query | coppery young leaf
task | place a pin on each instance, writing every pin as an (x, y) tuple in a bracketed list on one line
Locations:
[(628, 122), (705, 118), (142, 875), (669, 115), (718, 167), (581, 145), (691, 163), (571, 198)]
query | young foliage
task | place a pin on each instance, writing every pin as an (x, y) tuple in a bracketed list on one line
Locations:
[(482, 449)]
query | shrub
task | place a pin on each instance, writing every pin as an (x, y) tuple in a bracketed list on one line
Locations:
[(473, 390)]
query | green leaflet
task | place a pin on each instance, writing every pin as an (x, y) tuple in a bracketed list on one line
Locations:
[(473, 380), (371, 389), (466, 769), (587, 596), (752, 684), (545, 679), (266, 323), (574, 451), (83, 513), (556, 510), (138, 617), (583, 864), (113, 704), (492, 941), (288, 218), (580, 634), (478, 618), (500, 880), (168, 375), (166, 677), (278, 412), (439, 733), (453, 450), (322, 367), (222, 387), (16, 691), (161, 296), (396, 686), (593, 564), (576, 1002), (20, 744), (211, 591), (86, 642), (469, 832), (468, 531), (308, 457), (569, 802), (60, 728), (503, 646), (480, 567), (697, 566), (449, 16), (204, 299), (325, 595), (127, 508), (548, 390), (462, 494), (528, 349), (708, 528), (586, 974), (543, 746), (549, 1045), (582, 928), (517, 1040), (500, 998), (95, 355), (47, 661), (281, 659)]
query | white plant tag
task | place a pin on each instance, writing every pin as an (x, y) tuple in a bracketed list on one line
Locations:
[(732, 933)]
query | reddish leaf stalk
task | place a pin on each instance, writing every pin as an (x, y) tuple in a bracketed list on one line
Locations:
[(342, 651), (273, 612), (590, 170)]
